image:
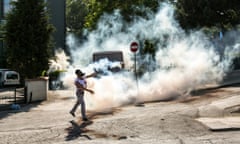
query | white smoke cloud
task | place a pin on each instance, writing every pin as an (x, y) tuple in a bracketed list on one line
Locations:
[(61, 61), (184, 63)]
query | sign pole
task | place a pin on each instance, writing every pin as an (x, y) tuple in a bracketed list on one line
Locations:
[(134, 48), (135, 65)]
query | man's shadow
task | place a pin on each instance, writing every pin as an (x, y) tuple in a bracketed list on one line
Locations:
[(77, 130)]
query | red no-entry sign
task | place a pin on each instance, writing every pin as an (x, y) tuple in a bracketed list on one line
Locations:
[(134, 47)]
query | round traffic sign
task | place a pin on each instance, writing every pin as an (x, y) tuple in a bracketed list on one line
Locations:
[(134, 47)]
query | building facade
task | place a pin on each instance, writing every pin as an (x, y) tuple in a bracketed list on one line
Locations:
[(57, 18)]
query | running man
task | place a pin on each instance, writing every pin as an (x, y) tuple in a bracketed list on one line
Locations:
[(81, 85)]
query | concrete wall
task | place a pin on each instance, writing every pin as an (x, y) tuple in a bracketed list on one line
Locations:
[(37, 89), (57, 18)]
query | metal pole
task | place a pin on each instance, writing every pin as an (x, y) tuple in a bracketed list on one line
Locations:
[(15, 96), (25, 95), (137, 103), (30, 100), (135, 69), (135, 65)]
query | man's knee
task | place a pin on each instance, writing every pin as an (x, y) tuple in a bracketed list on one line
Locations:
[(78, 102)]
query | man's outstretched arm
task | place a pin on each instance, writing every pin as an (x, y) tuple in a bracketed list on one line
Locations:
[(91, 75)]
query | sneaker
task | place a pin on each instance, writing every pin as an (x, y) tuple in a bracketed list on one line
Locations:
[(85, 119), (72, 113)]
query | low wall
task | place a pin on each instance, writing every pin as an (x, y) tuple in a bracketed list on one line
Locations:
[(36, 89)]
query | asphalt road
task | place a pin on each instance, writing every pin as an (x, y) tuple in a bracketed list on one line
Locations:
[(163, 122), (169, 122)]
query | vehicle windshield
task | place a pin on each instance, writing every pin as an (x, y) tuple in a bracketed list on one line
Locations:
[(110, 55), (12, 76)]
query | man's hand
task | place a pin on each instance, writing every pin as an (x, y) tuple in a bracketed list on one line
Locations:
[(94, 74), (91, 91)]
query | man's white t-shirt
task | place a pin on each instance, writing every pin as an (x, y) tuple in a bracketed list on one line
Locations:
[(82, 82)]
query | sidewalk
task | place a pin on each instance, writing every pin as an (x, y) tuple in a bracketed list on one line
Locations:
[(41, 122), (223, 114)]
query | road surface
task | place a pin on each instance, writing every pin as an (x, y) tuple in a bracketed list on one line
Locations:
[(166, 122)]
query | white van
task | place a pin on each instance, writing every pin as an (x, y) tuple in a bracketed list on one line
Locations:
[(9, 78)]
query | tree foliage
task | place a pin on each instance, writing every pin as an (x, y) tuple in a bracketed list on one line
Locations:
[(28, 37), (208, 13), (86, 13), (223, 14), (76, 11), (128, 9)]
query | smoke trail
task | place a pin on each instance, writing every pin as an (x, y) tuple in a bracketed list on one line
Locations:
[(183, 61)]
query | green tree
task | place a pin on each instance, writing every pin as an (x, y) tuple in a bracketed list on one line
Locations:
[(86, 13), (224, 14), (28, 37), (76, 12), (128, 9), (148, 54)]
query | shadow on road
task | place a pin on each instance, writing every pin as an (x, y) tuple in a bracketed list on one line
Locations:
[(23, 108), (78, 129), (13, 100)]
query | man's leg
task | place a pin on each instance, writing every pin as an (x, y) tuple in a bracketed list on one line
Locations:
[(83, 108), (72, 112)]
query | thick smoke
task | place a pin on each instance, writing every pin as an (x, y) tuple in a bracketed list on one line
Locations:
[(183, 61), (60, 62)]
